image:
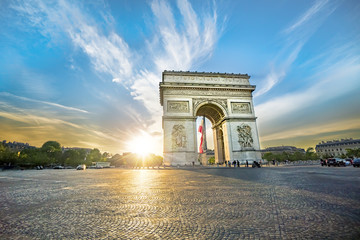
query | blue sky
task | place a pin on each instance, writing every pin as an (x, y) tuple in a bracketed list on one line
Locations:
[(86, 73)]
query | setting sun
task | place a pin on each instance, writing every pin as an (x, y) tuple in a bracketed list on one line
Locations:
[(142, 145)]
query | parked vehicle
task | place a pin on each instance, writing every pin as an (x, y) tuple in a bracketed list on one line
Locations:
[(336, 162), (356, 162), (348, 161), (58, 167), (81, 167)]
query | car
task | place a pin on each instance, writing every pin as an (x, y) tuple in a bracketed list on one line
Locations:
[(340, 162), (81, 167), (336, 162), (356, 162), (331, 162), (58, 167)]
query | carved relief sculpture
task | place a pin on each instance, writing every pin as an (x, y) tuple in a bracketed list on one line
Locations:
[(197, 101), (178, 106), (238, 107), (245, 137), (178, 136)]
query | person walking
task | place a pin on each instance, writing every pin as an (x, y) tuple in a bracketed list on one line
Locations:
[(238, 163), (247, 163), (229, 163)]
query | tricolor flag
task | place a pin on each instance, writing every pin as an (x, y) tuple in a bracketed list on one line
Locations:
[(202, 136)]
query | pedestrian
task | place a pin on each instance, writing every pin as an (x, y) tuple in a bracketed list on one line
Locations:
[(247, 163), (225, 163), (229, 163), (234, 163), (238, 163)]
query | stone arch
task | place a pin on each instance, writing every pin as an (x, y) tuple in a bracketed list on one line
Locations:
[(211, 110), (216, 114), (225, 99)]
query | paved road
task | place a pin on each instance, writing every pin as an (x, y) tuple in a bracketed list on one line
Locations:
[(195, 203)]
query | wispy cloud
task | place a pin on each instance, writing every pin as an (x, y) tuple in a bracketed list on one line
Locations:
[(294, 38), (180, 47), (175, 46), (335, 81), (109, 53), (303, 19), (6, 94)]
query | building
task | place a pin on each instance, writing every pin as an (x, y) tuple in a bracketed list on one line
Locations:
[(281, 149), (16, 146), (336, 148)]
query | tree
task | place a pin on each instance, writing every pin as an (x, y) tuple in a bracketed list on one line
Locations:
[(93, 156), (53, 151), (269, 156), (7, 157), (73, 157), (310, 154), (33, 157), (211, 160), (355, 152)]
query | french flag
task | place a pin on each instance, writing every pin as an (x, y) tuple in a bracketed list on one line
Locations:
[(202, 136)]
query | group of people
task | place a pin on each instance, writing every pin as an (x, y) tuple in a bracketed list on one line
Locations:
[(235, 163)]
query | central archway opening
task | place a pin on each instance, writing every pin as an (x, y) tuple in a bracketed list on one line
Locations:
[(211, 139)]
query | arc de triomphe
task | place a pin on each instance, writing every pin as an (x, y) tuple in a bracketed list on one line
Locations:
[(225, 99)]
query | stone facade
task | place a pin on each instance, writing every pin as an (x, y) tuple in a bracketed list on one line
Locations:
[(225, 99), (336, 148)]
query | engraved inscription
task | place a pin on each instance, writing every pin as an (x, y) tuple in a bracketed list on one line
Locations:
[(178, 106), (238, 107)]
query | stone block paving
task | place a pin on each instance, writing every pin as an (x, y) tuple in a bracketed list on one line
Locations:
[(188, 203)]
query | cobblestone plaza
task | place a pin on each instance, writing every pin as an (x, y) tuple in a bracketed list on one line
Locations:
[(309, 202)]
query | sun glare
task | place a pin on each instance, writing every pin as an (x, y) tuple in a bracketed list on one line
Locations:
[(142, 145)]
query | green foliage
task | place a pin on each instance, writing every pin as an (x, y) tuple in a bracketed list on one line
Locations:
[(51, 146), (269, 156), (53, 152), (33, 157), (116, 160), (296, 156), (93, 156), (7, 157), (211, 160), (353, 152), (73, 157)]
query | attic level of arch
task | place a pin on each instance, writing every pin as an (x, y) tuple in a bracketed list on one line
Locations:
[(244, 91)]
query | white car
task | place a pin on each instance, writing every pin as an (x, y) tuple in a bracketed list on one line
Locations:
[(81, 167)]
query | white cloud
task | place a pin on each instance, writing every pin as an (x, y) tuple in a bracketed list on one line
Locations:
[(174, 47), (179, 48), (177, 44), (43, 102), (109, 54), (295, 37), (310, 13), (336, 81)]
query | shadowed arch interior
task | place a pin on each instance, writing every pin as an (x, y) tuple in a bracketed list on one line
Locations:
[(212, 112)]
